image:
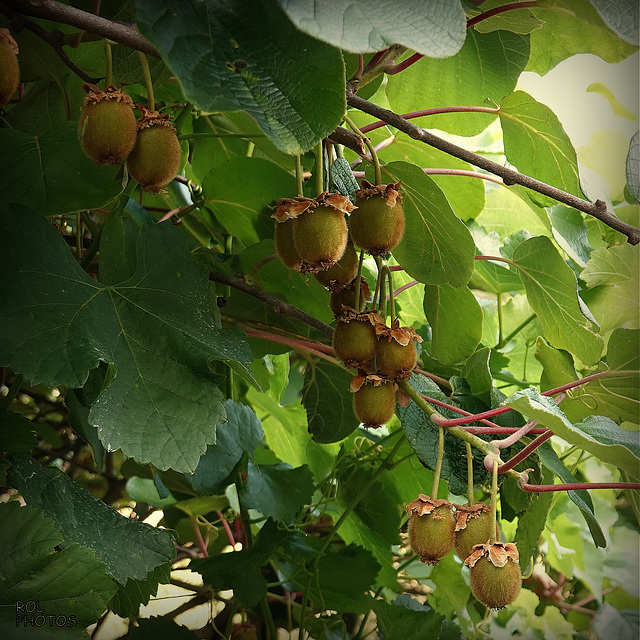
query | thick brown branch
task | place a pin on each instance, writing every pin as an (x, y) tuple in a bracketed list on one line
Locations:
[(121, 32), (279, 305), (597, 209)]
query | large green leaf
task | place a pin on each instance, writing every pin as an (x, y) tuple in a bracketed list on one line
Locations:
[(518, 20), (536, 143), (612, 276), (328, 402), (596, 434), (406, 619), (633, 166), (18, 437), (620, 16), (160, 627), (437, 247), (486, 68), (50, 173), (576, 28), (570, 232), (436, 29), (477, 373), (127, 600), (552, 292), (159, 327), (225, 53), (456, 322), (129, 549), (69, 585), (531, 524)]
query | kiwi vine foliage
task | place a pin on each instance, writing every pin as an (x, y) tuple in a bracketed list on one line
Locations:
[(137, 382)]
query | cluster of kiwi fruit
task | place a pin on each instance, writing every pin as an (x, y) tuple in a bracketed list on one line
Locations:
[(313, 235), (110, 134), (436, 527)]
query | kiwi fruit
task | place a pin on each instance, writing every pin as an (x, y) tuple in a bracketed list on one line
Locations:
[(354, 338), (374, 400), (9, 67), (342, 273), (431, 528), (473, 526), (396, 353), (286, 250)]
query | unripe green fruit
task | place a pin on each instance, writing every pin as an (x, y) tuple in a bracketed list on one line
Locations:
[(9, 68), (320, 237), (476, 531), (107, 126), (347, 298), (377, 224), (495, 587), (155, 159), (354, 341), (286, 250), (342, 273), (395, 360), (431, 534), (374, 405)]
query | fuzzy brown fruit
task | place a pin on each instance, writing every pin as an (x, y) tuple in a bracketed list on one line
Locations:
[(396, 353), (245, 631), (431, 527), (342, 273), (354, 338), (347, 298), (377, 225), (286, 250), (107, 125), (374, 400), (9, 67), (495, 574), (155, 159), (473, 526)]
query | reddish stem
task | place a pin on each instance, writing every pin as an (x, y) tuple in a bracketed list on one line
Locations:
[(376, 58), (440, 403), (494, 12), (401, 66), (526, 452), (227, 528), (498, 258), (316, 348), (404, 288), (434, 377), (577, 486), (201, 543), (491, 431)]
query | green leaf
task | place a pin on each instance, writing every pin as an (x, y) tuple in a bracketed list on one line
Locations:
[(328, 402), (620, 16), (342, 178), (129, 549), (242, 432), (160, 627), (517, 20), (552, 292), (241, 205), (50, 173), (578, 28), (437, 247), (160, 329), (277, 490), (581, 498), (477, 373), (536, 143), (485, 69), (223, 53), (633, 166), (612, 276), (70, 585), (127, 600), (596, 434), (18, 437), (452, 592), (609, 622), (405, 619), (146, 490), (570, 232), (436, 29), (495, 278), (456, 322)]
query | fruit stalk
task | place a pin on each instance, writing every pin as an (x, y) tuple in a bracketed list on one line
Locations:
[(108, 69), (372, 150), (319, 168), (494, 503), (299, 181), (392, 304), (438, 469), (359, 281), (470, 498), (147, 81)]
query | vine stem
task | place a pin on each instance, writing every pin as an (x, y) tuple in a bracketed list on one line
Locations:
[(319, 168), (497, 10), (438, 470), (384, 465), (317, 349), (432, 112), (147, 81), (108, 74), (470, 497), (577, 486), (494, 503)]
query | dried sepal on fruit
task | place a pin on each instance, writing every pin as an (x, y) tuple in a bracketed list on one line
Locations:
[(495, 573), (155, 159), (347, 297), (374, 399), (473, 526), (342, 273), (9, 67), (378, 223), (354, 338), (396, 353), (107, 125), (244, 631), (320, 231), (431, 528)]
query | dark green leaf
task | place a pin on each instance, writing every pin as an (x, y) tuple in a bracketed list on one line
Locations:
[(342, 178), (456, 322), (485, 69), (242, 432), (402, 620), (436, 29), (477, 373), (581, 499), (127, 600), (570, 232), (633, 166), (620, 16), (536, 143), (513, 500), (18, 437), (160, 627), (328, 402), (223, 54), (451, 592), (130, 549), (552, 292), (277, 490), (160, 329), (66, 584), (437, 247), (51, 174)]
